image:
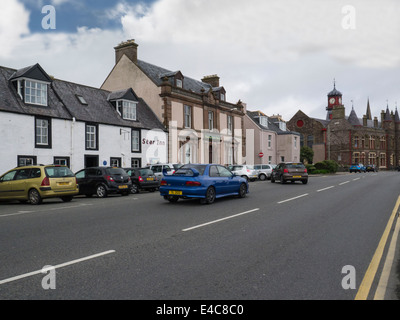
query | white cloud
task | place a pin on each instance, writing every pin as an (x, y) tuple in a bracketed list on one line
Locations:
[(276, 56)]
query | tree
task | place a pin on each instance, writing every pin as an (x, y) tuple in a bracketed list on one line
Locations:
[(306, 154)]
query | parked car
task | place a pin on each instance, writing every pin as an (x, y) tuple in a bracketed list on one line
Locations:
[(158, 168), (202, 181), (359, 167), (290, 171), (103, 181), (143, 179), (38, 182), (245, 171), (264, 171), (371, 167)]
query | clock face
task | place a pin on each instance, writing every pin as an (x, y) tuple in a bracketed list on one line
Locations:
[(332, 100)]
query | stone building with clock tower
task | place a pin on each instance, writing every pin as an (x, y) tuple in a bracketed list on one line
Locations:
[(349, 139)]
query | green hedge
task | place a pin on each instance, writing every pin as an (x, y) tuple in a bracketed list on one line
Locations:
[(326, 166)]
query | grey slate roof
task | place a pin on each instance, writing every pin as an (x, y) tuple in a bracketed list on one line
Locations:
[(156, 74), (254, 115), (353, 119), (64, 104)]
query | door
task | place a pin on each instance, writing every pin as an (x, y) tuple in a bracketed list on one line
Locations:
[(6, 184), (20, 183), (230, 184), (91, 161), (81, 180)]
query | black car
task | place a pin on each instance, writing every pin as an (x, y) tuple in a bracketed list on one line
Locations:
[(143, 179), (371, 168), (103, 181)]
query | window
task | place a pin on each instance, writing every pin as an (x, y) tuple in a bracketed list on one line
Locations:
[(264, 121), (129, 110), (62, 161), (371, 142), (230, 125), (383, 142), (26, 161), (222, 96), (179, 83), (210, 120), (382, 162), (356, 142), (81, 99), (372, 158), (91, 137), (136, 141), (42, 133), (295, 142), (188, 116), (35, 92), (269, 141), (136, 163), (115, 162)]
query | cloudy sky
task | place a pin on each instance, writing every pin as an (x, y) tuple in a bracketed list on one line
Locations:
[(277, 56)]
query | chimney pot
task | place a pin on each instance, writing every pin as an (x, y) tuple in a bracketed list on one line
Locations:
[(128, 48)]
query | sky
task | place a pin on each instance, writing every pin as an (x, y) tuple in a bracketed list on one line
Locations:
[(277, 56)]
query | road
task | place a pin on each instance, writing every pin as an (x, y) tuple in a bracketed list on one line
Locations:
[(286, 242)]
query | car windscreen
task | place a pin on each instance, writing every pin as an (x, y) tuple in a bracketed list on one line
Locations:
[(58, 172), (145, 172), (234, 168), (185, 170)]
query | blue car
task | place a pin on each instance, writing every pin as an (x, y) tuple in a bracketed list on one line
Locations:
[(357, 168), (206, 182)]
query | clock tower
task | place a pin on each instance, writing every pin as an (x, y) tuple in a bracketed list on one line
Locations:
[(334, 99)]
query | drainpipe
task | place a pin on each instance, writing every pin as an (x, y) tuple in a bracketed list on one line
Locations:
[(72, 142)]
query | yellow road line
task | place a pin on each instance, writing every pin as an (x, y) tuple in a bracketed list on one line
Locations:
[(369, 276)]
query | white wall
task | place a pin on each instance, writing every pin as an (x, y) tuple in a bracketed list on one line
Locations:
[(17, 137)]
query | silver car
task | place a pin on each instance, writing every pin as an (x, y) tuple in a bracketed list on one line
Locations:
[(264, 171), (246, 171)]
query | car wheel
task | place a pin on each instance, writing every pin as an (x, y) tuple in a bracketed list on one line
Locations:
[(245, 177), (210, 195), (272, 179), (66, 199), (34, 197), (262, 177), (282, 180), (134, 189), (101, 191), (304, 181), (242, 190)]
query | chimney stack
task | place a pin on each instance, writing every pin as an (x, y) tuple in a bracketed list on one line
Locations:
[(128, 48), (211, 80)]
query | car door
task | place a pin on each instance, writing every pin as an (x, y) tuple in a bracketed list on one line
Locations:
[(6, 184), (231, 185), (82, 182), (216, 180), (20, 183)]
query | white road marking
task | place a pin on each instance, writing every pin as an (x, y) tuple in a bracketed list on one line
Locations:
[(303, 195), (325, 188), (219, 220), (56, 267), (52, 209), (356, 179), (340, 184)]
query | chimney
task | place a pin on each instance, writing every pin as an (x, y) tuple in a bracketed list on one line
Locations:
[(211, 80), (128, 48), (365, 120), (375, 122)]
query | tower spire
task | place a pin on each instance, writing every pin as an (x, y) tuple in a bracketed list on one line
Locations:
[(368, 114)]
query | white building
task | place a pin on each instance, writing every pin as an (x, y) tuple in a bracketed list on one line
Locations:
[(45, 120)]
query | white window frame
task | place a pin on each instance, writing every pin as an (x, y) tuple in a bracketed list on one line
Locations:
[(35, 92), (135, 141), (91, 132), (230, 124), (129, 110), (42, 132), (210, 120), (187, 116)]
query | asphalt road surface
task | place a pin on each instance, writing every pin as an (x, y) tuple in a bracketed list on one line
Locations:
[(291, 241)]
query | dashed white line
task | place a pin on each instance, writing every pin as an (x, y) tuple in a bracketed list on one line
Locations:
[(325, 188), (25, 275), (340, 184), (287, 200), (219, 220)]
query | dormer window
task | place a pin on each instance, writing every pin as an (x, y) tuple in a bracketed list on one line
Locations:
[(222, 96), (32, 92), (127, 109), (179, 83), (264, 121)]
